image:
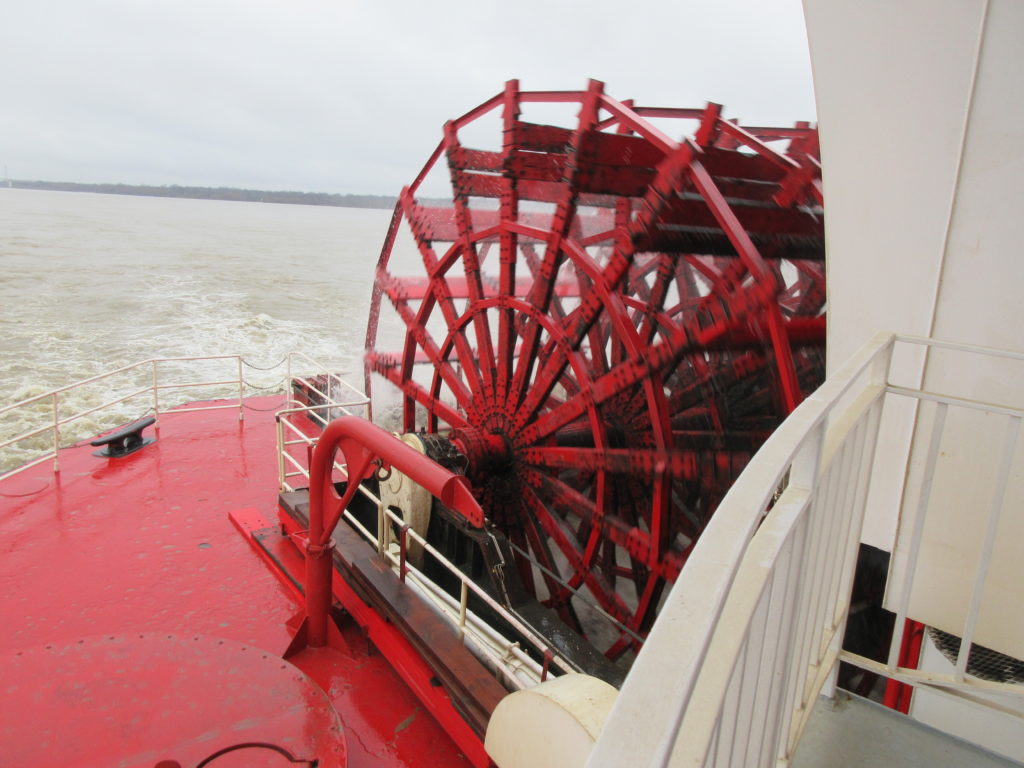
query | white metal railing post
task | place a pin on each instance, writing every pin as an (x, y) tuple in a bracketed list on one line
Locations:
[(804, 470), (868, 441), (382, 524), (241, 391), (878, 376), (56, 434), (156, 390), (463, 603), (279, 428), (881, 364), (991, 526), (920, 515)]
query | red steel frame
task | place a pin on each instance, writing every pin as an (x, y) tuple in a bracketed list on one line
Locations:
[(366, 447), (363, 446), (655, 310), (898, 695)]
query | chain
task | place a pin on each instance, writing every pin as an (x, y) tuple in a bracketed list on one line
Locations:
[(278, 364), (275, 385)]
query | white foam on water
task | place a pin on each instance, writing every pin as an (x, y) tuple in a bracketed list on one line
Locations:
[(95, 282)]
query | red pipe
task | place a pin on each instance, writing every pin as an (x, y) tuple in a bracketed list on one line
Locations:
[(362, 443), (897, 695)]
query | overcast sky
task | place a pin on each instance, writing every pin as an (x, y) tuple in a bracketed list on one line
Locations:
[(349, 95)]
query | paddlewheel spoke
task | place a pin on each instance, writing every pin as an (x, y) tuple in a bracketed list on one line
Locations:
[(580, 572)]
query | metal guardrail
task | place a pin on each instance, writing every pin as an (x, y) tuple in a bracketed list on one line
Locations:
[(752, 632), (156, 385), (292, 433), (903, 570), (520, 670)]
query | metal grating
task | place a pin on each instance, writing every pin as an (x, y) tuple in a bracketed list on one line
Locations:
[(983, 663)]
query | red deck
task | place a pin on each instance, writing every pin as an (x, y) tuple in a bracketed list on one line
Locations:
[(108, 550)]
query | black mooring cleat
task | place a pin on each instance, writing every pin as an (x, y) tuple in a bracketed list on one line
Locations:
[(128, 439)]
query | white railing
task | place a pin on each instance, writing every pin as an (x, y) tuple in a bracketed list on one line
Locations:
[(153, 371), (299, 425), (751, 633), (988, 520), (516, 667)]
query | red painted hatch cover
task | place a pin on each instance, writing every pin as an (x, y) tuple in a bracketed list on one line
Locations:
[(163, 700)]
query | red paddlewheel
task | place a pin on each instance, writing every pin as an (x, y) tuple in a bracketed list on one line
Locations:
[(609, 322)]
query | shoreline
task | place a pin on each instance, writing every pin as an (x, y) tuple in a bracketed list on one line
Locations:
[(382, 202)]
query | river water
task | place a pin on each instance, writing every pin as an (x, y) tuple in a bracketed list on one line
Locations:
[(91, 282)]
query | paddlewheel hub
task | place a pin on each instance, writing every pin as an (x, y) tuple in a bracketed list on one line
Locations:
[(484, 451)]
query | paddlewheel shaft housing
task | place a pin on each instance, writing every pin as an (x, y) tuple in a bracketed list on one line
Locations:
[(606, 322)]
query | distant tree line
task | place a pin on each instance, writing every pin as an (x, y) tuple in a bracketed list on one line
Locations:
[(216, 193)]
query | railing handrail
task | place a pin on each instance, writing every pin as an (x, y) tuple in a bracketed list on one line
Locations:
[(324, 369), (108, 374), (755, 622), (684, 628), (158, 383), (959, 346)]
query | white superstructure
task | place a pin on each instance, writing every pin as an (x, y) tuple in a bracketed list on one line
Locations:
[(921, 114)]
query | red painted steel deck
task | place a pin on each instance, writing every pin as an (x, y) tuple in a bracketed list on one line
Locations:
[(108, 550)]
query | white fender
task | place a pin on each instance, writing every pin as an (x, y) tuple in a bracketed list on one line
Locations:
[(552, 725)]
